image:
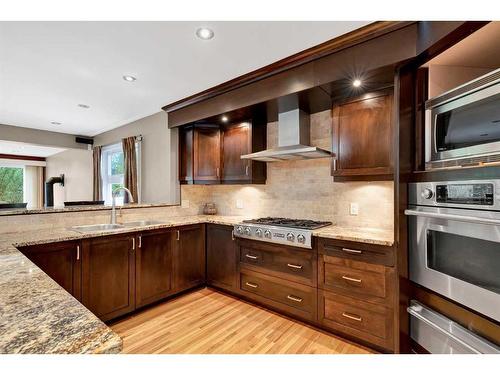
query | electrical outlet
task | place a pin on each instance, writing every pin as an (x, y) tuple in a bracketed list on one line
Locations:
[(239, 203), (354, 209), (185, 203)]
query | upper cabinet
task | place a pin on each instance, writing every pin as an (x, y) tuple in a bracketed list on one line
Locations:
[(210, 154), (362, 137)]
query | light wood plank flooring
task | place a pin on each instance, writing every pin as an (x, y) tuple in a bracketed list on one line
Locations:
[(206, 321)]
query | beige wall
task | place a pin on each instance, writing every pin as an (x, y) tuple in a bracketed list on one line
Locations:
[(38, 137), (76, 165), (304, 189), (159, 156)]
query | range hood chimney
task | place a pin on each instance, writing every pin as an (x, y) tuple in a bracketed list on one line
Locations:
[(294, 131)]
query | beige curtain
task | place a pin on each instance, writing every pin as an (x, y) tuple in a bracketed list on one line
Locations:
[(130, 162), (33, 193), (97, 173)]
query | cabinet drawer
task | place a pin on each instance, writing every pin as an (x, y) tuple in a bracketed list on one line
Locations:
[(357, 251), (280, 261), (372, 282), (292, 298), (356, 318)]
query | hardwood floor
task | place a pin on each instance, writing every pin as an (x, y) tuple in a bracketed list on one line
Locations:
[(206, 321)]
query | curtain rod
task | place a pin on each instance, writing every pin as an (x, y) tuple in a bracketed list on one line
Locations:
[(138, 138)]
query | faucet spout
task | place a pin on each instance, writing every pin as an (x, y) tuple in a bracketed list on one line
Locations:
[(113, 201)]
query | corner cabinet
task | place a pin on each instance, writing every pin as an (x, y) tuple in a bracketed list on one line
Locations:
[(362, 137), (189, 257), (61, 261), (210, 153), (221, 257)]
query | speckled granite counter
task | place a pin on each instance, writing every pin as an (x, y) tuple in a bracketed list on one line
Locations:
[(38, 316), (365, 235)]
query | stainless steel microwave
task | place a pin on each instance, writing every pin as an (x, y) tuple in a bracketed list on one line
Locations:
[(463, 125)]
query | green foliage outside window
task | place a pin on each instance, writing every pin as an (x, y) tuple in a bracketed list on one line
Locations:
[(11, 185)]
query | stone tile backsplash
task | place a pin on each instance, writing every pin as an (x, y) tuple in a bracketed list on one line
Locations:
[(304, 189)]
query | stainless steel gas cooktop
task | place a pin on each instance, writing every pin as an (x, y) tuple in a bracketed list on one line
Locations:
[(292, 232)]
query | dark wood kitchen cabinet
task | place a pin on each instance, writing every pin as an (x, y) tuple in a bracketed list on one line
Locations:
[(210, 154), (108, 275), (221, 257), (362, 137), (241, 139), (189, 257), (61, 261), (200, 154), (154, 266)]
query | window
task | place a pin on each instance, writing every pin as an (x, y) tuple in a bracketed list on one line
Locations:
[(11, 184), (113, 169)]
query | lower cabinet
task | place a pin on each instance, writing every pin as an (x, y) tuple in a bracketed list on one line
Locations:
[(221, 257), (357, 319), (189, 257), (108, 275), (153, 266), (61, 261)]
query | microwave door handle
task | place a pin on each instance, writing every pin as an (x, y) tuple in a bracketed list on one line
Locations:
[(464, 218)]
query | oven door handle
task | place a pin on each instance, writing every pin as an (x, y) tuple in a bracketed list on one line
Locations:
[(464, 218)]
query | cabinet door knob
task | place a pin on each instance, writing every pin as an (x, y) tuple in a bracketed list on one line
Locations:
[(296, 266), (178, 235), (253, 257), (140, 242), (251, 285), (246, 170), (133, 243), (77, 252)]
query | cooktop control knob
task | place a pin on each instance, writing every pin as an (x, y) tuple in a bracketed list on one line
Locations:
[(427, 193), (301, 238), (239, 230), (267, 234), (258, 232), (290, 237), (247, 231)]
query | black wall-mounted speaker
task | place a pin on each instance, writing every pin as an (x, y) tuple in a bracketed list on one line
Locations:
[(87, 141)]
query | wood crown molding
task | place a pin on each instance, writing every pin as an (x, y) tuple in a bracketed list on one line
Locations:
[(347, 40), (21, 157)]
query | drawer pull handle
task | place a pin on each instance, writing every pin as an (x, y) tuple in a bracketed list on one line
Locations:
[(351, 279), (253, 257), (251, 285), (353, 317), (351, 251), (296, 266), (293, 298)]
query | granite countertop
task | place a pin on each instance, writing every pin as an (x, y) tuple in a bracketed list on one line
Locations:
[(39, 316)]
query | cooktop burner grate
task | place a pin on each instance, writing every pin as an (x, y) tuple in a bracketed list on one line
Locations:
[(289, 223)]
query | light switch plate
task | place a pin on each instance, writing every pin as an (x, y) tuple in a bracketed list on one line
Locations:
[(239, 203), (185, 203), (354, 209)]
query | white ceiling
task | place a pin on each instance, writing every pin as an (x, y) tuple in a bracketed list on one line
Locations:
[(48, 68), (26, 149)]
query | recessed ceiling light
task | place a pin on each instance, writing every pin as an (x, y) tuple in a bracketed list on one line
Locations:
[(55, 123), (224, 118), (356, 83), (129, 78), (84, 106), (204, 33)]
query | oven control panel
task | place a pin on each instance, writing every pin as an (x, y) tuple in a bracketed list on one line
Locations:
[(477, 194), (473, 194)]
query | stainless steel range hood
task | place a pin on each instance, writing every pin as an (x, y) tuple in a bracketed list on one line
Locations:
[(293, 140)]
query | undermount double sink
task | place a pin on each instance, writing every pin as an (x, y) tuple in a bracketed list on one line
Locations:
[(111, 227)]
